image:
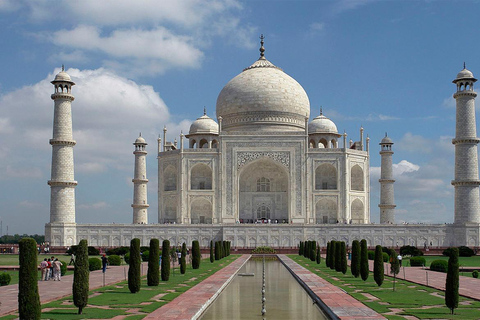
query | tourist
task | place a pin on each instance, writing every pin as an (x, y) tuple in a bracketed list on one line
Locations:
[(104, 263), (72, 259), (47, 270), (43, 268), (57, 270)]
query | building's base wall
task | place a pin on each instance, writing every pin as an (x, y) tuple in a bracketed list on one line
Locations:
[(113, 235)]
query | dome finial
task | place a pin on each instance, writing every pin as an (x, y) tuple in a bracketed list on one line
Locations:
[(262, 49), (140, 134), (386, 134), (321, 111), (204, 111), (63, 67), (464, 65)]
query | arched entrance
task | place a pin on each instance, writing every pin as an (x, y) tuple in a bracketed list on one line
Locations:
[(263, 186)]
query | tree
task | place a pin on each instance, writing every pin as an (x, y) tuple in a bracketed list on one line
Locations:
[(196, 255), (313, 251), (343, 263), (327, 257), (355, 262), (364, 260), (318, 255), (134, 266), (452, 282), (81, 277), (217, 250), (212, 254), (183, 262), (394, 265), (300, 249), (333, 255), (378, 266), (165, 260), (338, 256), (153, 273), (28, 298)]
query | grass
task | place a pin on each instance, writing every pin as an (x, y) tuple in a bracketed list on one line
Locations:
[(411, 299), (116, 300), (473, 261)]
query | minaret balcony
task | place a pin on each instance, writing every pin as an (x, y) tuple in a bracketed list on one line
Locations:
[(140, 206), (139, 180), (472, 140), (469, 182), (464, 93), (62, 95), (55, 183), (386, 180), (62, 142)]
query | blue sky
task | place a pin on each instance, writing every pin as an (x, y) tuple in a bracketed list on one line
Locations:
[(140, 65)]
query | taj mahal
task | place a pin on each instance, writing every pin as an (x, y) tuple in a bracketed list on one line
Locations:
[(263, 173)]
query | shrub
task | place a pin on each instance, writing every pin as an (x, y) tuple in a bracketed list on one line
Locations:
[(327, 258), (410, 251), (439, 265), (134, 266), (127, 258), (5, 279), (338, 256), (300, 249), (263, 250), (371, 255), (355, 263), (378, 265), (92, 251), (196, 255), (343, 251), (165, 260), (313, 251), (465, 251), (363, 260), (319, 258), (81, 277), (94, 264), (28, 298), (386, 257), (120, 251), (114, 260), (183, 262), (153, 273), (63, 268), (475, 274), (217, 251), (212, 253), (417, 261), (452, 282), (332, 254), (145, 255)]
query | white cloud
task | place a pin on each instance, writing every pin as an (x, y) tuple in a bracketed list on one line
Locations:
[(449, 102), (404, 167), (90, 206), (346, 5)]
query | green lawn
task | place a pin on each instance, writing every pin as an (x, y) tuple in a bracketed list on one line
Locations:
[(473, 261), (116, 300), (409, 298), (12, 259)]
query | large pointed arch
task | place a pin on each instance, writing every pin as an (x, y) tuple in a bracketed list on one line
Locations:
[(358, 211), (357, 179), (326, 211), (201, 211), (201, 177), (326, 177), (170, 178)]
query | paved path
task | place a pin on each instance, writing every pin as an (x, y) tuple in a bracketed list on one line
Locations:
[(194, 301), (53, 290), (336, 299)]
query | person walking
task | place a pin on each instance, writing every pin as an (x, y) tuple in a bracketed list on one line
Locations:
[(43, 268), (57, 270), (47, 270), (72, 260), (104, 263)]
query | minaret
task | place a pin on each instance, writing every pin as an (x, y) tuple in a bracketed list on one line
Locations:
[(140, 181), (387, 200), (62, 183), (466, 181)]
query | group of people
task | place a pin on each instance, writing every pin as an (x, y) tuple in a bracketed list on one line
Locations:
[(51, 269)]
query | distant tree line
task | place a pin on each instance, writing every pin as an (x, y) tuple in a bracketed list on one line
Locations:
[(15, 239)]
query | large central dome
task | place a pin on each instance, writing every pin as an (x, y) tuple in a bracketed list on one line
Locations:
[(263, 98)]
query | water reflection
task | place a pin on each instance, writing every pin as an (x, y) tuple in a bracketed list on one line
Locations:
[(242, 299)]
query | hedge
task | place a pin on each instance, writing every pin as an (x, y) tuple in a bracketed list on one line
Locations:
[(114, 260), (94, 264), (417, 261), (386, 257), (5, 279), (63, 268), (475, 274), (145, 254), (462, 252), (120, 251), (371, 255), (439, 265)]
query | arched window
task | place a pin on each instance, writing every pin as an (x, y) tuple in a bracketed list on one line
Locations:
[(170, 179), (357, 211), (324, 142), (326, 177), (203, 144), (263, 185), (214, 144), (193, 143), (201, 177), (357, 178), (201, 211), (326, 211), (312, 143), (263, 212)]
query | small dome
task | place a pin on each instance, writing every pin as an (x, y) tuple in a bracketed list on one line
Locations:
[(464, 74), (322, 124), (386, 140), (204, 125), (140, 140)]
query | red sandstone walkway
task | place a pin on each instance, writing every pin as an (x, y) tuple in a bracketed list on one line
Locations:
[(340, 302), (53, 290), (194, 301)]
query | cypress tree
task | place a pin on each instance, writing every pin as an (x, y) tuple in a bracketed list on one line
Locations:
[(452, 282), (134, 266), (183, 262), (224, 249), (313, 255), (212, 255), (364, 259), (196, 255), (28, 298), (300, 249), (394, 265), (81, 277), (305, 248), (153, 273), (355, 263), (344, 258), (217, 251), (378, 265), (332, 254), (165, 260), (318, 255), (327, 258), (338, 256)]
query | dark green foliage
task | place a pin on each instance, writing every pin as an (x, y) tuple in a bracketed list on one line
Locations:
[(371, 255), (475, 274), (385, 256), (120, 251), (212, 252), (263, 250), (153, 273), (343, 257), (225, 249), (81, 277), (134, 266), (196, 255), (14, 239), (165, 260), (28, 298), (333, 255), (394, 265), (338, 256), (410, 251), (417, 261), (306, 250), (92, 251), (217, 251), (327, 257), (313, 251), (439, 265), (318, 257), (63, 268), (363, 260), (94, 264), (378, 266), (300, 249), (127, 258), (355, 262), (114, 260), (145, 255), (462, 252), (183, 261), (5, 279), (452, 282)]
